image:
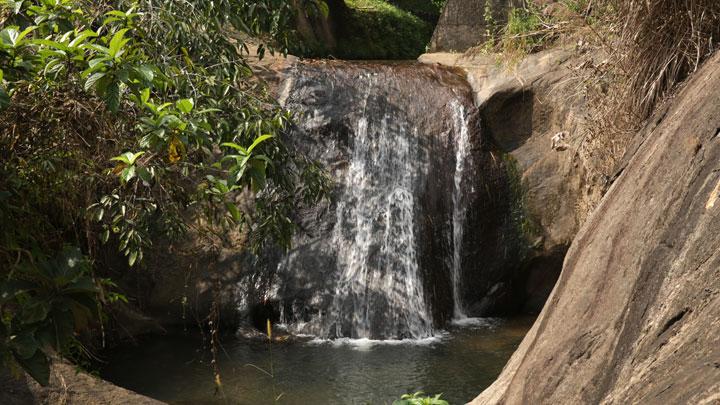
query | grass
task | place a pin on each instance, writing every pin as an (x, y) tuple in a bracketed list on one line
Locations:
[(427, 10), (374, 29), (377, 29)]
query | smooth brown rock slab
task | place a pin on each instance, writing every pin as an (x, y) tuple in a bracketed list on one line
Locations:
[(635, 316)]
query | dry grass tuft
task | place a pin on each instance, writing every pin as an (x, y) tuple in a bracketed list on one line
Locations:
[(643, 51), (661, 42)]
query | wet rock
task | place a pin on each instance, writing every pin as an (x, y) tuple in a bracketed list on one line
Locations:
[(523, 108), (395, 124)]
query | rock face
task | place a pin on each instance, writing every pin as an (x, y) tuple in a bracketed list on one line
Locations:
[(511, 247), (634, 317), (518, 200), (522, 108), (391, 136), (463, 24)]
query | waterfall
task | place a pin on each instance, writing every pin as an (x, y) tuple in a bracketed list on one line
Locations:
[(380, 260), (375, 234), (462, 154)]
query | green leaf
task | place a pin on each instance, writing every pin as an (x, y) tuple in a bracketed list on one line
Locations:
[(51, 44), (34, 311), (117, 42), (14, 5), (145, 95), (128, 174), (105, 236), (258, 141), (92, 80), (25, 33), (323, 8), (38, 367), (116, 13), (128, 158), (4, 99), (144, 174), (145, 72), (236, 147), (82, 37), (98, 62), (83, 285), (25, 345), (185, 105), (133, 257), (208, 111), (9, 35), (234, 211), (112, 96), (14, 38)]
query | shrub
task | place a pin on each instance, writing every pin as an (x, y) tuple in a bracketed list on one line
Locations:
[(118, 121)]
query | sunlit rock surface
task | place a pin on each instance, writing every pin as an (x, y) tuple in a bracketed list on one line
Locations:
[(635, 315)]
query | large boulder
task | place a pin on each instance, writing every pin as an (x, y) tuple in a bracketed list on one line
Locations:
[(464, 23), (634, 317)]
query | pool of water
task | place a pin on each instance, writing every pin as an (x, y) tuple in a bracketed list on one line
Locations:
[(459, 363)]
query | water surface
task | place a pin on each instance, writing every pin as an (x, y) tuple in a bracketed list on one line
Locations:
[(460, 364)]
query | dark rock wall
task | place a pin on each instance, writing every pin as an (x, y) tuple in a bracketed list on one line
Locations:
[(330, 96), (462, 24), (327, 95)]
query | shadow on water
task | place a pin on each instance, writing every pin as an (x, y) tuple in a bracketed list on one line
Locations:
[(459, 363)]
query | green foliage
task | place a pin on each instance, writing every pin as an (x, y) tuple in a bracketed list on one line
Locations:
[(523, 31), (370, 29), (374, 29), (131, 59), (428, 10), (44, 302), (419, 398), (576, 6), (120, 120), (527, 30)]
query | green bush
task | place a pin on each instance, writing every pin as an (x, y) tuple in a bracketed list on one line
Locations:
[(375, 29), (118, 120), (523, 30), (44, 303)]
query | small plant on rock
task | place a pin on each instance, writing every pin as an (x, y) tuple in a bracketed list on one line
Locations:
[(419, 398)]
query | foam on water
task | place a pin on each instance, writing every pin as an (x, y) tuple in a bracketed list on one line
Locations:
[(363, 344), (468, 322)]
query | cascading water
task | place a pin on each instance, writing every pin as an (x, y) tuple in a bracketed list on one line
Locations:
[(375, 235), (380, 260), (462, 155)]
